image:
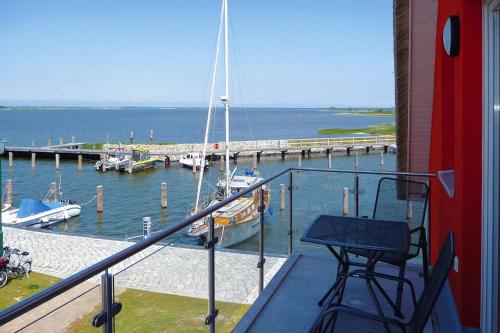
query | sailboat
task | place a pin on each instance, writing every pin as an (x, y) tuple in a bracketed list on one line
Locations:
[(237, 221)]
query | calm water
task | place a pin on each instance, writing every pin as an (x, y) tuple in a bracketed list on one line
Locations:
[(180, 125), (128, 198)]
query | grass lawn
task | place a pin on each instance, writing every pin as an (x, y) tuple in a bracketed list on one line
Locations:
[(145, 311), (389, 128), (18, 289)]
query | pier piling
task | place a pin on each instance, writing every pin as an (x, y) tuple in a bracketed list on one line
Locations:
[(11, 159), (409, 210), (33, 160), (221, 164), (382, 158), (80, 158), (53, 192), (194, 165), (131, 136), (8, 185), (329, 153), (107, 139), (300, 162), (57, 161), (356, 160), (283, 152), (151, 135), (100, 206), (72, 139), (164, 195), (345, 209), (254, 161), (282, 196)]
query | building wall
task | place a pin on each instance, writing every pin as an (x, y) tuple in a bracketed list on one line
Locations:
[(456, 144)]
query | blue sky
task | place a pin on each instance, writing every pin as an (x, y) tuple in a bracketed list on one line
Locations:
[(283, 53)]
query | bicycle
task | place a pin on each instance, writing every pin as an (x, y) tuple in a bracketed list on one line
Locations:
[(17, 268)]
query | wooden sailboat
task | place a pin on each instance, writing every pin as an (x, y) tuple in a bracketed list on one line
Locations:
[(238, 220)]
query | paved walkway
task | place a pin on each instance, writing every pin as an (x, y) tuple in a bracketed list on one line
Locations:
[(172, 270)]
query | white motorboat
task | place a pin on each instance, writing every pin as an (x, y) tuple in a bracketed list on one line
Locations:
[(40, 213), (238, 220), (112, 162), (393, 148), (188, 160)]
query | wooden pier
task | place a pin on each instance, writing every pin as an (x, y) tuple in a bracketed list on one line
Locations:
[(255, 149)]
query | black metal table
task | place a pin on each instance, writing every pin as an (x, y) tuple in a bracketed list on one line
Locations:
[(376, 236)]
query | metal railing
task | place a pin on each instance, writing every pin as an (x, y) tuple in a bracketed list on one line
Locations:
[(110, 309)]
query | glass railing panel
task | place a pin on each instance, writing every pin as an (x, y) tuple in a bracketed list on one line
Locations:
[(72, 311)]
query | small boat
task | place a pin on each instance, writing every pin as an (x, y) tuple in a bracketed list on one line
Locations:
[(40, 213), (188, 160), (393, 148), (239, 220), (140, 160), (111, 162)]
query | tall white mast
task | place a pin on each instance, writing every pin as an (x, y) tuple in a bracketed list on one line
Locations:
[(210, 105), (225, 99)]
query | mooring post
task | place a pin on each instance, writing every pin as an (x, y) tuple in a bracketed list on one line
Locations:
[(409, 210), (345, 210), (100, 206), (49, 142), (57, 161), (61, 141), (221, 164), (33, 160), (382, 158), (282, 196), (8, 184), (131, 136), (328, 151), (33, 143), (164, 195), (107, 139), (72, 139), (11, 159), (53, 191), (300, 162), (80, 159), (254, 161), (146, 227), (356, 160), (151, 135), (194, 165)]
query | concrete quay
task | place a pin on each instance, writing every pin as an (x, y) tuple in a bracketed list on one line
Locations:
[(172, 270)]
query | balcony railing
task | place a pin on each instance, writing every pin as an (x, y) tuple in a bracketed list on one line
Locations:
[(109, 309)]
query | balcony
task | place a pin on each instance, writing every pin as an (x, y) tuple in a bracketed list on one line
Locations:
[(288, 303)]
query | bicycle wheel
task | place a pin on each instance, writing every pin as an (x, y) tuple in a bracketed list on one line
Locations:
[(3, 278), (25, 269)]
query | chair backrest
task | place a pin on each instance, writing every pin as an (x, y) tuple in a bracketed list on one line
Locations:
[(433, 288), (401, 199)]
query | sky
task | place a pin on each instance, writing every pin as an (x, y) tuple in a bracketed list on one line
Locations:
[(294, 53)]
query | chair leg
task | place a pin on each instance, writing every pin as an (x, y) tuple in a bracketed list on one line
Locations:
[(425, 258), (399, 295)]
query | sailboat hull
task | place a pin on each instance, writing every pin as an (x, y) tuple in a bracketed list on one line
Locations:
[(230, 235)]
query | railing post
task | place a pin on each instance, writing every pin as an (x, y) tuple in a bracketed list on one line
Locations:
[(356, 194), (290, 212), (260, 265), (210, 245), (107, 301)]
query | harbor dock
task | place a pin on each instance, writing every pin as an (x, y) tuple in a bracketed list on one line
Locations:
[(215, 151)]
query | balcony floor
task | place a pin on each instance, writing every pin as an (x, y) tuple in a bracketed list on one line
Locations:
[(289, 302)]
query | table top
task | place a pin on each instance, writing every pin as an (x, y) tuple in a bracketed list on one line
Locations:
[(359, 233)]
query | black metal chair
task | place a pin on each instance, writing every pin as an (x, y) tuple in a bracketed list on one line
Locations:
[(401, 199), (339, 319)]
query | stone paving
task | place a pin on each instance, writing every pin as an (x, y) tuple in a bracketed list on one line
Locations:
[(172, 270)]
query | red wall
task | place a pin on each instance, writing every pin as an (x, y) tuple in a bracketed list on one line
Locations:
[(456, 144)]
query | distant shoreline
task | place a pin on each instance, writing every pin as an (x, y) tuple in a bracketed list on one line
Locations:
[(383, 129)]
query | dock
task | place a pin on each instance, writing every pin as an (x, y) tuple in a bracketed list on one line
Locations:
[(215, 151)]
